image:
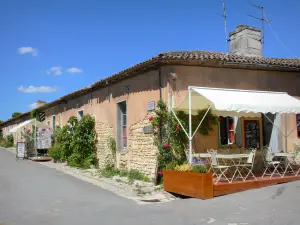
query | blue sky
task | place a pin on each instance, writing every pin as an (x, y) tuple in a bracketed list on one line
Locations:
[(56, 47)]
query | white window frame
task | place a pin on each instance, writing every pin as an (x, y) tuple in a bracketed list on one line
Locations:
[(122, 148), (81, 110)]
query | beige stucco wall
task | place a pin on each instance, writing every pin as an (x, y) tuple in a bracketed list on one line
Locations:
[(139, 90)]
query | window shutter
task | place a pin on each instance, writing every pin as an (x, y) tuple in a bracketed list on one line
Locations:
[(119, 128)]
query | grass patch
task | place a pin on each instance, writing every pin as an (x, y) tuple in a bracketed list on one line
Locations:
[(136, 175), (132, 175), (109, 172)]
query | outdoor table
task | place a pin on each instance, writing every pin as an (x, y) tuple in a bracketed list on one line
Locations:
[(224, 157)]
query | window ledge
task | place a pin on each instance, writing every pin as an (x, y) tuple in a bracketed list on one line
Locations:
[(123, 151)]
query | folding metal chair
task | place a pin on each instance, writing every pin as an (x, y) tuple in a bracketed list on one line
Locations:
[(218, 170), (245, 169), (270, 165)]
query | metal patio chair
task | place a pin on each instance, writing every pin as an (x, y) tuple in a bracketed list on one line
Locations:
[(218, 170), (271, 167), (245, 169)]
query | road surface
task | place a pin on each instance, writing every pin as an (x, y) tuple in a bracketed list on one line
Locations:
[(32, 194)]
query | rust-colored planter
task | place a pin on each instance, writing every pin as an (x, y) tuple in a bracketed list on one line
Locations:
[(197, 185)]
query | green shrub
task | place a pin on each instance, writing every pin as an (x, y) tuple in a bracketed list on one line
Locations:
[(9, 141), (198, 169), (83, 142), (56, 152), (137, 175), (123, 173), (109, 172), (171, 166)]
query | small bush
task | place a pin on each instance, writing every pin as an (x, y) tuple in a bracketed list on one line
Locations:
[(56, 152), (183, 167), (171, 166), (190, 168), (9, 141), (137, 175), (123, 173), (109, 172), (198, 169)]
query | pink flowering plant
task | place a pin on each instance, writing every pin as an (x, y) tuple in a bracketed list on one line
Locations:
[(170, 138)]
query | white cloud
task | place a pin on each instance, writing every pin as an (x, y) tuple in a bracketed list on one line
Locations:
[(74, 70), (27, 50), (33, 105), (56, 70), (40, 89)]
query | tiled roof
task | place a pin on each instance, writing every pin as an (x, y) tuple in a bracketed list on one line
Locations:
[(201, 57), (256, 61)]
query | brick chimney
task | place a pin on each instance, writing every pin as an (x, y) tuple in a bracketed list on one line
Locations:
[(246, 40), (39, 103)]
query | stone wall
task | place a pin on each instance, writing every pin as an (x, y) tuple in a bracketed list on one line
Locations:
[(104, 132), (143, 152)]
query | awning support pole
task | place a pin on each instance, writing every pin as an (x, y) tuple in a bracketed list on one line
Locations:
[(35, 138), (274, 125), (179, 123), (202, 119), (190, 125), (293, 129), (286, 132)]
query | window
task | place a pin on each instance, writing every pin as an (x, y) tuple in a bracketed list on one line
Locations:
[(298, 124), (48, 123), (80, 114), (226, 130), (121, 125), (54, 122)]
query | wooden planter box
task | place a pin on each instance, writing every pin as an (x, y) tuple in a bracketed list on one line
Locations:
[(197, 185)]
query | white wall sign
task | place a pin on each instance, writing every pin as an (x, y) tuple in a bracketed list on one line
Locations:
[(21, 149), (151, 106)]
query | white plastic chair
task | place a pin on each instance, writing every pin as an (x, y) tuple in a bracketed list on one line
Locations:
[(218, 170), (247, 167), (270, 165)]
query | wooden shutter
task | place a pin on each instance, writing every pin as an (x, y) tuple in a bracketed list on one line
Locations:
[(119, 128)]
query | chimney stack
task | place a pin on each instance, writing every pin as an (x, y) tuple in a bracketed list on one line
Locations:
[(40, 103), (246, 40)]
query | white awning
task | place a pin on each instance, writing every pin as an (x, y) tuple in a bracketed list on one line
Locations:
[(28, 122), (14, 130), (235, 102)]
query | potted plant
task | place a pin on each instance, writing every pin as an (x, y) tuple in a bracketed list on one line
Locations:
[(188, 180)]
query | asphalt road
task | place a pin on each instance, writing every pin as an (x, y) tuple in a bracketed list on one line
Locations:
[(32, 194)]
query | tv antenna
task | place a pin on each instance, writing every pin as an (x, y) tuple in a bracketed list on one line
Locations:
[(224, 15), (263, 21)]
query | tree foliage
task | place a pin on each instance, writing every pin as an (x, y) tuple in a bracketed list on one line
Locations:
[(76, 142), (16, 114)]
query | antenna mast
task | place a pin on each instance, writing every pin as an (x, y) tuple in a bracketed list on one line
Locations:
[(224, 15), (263, 21)]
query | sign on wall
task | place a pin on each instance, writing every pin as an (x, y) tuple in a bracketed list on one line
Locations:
[(151, 106), (252, 137), (21, 150)]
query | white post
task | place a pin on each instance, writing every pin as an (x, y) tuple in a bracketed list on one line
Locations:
[(35, 137), (190, 125), (286, 132)]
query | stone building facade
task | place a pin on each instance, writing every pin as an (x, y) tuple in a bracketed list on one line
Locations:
[(166, 77)]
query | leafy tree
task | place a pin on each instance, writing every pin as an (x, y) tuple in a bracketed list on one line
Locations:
[(15, 114)]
